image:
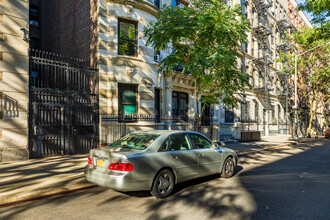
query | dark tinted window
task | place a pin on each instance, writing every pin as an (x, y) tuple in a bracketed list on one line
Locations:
[(180, 142), (180, 105), (127, 38), (200, 142), (165, 146), (135, 141)]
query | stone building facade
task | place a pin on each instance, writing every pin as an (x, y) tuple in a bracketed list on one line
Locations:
[(14, 61), (129, 78), (109, 33)]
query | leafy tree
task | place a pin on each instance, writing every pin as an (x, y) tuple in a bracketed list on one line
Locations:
[(205, 39), (321, 16), (313, 70)]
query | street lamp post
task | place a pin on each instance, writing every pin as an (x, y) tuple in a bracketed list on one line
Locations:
[(295, 136)]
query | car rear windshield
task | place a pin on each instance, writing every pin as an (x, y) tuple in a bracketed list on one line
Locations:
[(135, 141)]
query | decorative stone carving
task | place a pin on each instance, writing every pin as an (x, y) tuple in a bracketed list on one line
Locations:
[(168, 87), (129, 9)]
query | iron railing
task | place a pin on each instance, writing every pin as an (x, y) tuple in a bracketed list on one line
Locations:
[(63, 111)]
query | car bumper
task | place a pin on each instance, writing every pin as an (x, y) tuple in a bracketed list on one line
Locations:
[(120, 181)]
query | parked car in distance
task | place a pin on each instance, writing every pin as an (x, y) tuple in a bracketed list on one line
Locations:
[(157, 160), (327, 132)]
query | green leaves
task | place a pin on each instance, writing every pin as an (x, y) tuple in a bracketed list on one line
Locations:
[(313, 68), (206, 40), (321, 16), (319, 8)]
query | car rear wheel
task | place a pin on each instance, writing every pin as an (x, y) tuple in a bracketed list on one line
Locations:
[(163, 184), (228, 168)]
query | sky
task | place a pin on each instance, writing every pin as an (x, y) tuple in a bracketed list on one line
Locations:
[(309, 15)]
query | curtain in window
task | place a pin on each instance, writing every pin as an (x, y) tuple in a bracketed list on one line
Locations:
[(127, 95)]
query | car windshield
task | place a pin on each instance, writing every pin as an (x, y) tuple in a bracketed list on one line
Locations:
[(135, 141)]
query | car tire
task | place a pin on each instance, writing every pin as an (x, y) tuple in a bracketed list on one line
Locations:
[(228, 168), (163, 184)]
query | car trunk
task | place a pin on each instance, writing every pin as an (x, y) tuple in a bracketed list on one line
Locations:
[(103, 157)]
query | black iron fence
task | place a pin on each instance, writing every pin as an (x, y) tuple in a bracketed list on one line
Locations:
[(116, 126), (63, 111)]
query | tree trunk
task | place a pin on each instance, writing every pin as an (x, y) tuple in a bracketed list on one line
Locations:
[(312, 114), (197, 110)]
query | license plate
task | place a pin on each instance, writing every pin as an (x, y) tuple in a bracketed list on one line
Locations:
[(100, 162)]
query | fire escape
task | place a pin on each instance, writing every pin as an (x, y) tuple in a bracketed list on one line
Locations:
[(283, 27), (262, 32)]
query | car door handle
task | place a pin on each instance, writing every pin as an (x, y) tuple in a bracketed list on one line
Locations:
[(174, 157), (202, 155)]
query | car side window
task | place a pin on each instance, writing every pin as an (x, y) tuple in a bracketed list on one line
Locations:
[(180, 142), (200, 142), (165, 146)]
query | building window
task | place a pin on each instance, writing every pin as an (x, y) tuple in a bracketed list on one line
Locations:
[(157, 56), (34, 43), (180, 105), (273, 119), (243, 6), (247, 111), (34, 15), (175, 2), (256, 111), (229, 116), (155, 2), (206, 115), (127, 98), (127, 38), (246, 47), (157, 102)]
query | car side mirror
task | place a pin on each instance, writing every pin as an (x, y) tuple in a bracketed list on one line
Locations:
[(216, 145)]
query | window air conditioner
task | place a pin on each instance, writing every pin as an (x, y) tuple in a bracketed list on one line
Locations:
[(157, 58)]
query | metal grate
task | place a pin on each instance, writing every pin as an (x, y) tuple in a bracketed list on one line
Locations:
[(63, 116)]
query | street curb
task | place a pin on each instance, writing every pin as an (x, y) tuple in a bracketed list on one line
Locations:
[(17, 200)]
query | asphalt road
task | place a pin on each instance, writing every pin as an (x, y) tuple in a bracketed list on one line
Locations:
[(285, 183)]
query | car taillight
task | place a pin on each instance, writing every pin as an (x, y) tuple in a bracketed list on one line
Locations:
[(121, 166), (90, 161)]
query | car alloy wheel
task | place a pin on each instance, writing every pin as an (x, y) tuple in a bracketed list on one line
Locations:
[(163, 184), (228, 168)]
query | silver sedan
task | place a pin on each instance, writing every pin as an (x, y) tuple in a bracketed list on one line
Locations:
[(157, 160)]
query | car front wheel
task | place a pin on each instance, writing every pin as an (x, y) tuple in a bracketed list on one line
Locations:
[(163, 184), (228, 168)]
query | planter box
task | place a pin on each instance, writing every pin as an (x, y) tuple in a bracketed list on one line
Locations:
[(250, 135), (245, 135), (255, 136)]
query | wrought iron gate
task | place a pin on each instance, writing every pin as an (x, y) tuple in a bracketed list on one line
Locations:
[(63, 106)]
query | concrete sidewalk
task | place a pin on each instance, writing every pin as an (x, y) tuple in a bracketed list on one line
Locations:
[(37, 178)]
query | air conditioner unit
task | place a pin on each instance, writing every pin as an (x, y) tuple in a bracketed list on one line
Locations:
[(157, 58)]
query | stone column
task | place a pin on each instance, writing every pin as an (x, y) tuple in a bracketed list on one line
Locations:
[(168, 101), (266, 123), (216, 123)]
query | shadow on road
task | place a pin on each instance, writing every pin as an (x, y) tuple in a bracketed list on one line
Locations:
[(269, 189)]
